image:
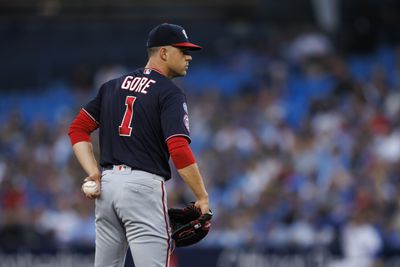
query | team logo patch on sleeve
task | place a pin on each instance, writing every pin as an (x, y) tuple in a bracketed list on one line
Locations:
[(186, 122)]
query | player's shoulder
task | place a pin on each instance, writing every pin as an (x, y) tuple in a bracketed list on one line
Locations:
[(162, 84), (119, 79), (116, 82), (142, 72)]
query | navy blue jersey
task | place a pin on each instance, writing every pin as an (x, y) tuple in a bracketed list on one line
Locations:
[(138, 113)]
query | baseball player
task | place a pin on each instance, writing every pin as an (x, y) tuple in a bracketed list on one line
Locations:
[(143, 120)]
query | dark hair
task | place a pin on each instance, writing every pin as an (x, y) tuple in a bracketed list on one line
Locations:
[(152, 50)]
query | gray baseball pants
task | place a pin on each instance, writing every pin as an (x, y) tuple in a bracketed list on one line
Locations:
[(132, 210)]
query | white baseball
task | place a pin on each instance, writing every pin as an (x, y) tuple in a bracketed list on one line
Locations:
[(89, 187)]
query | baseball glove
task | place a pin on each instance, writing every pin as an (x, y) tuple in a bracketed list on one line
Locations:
[(188, 225)]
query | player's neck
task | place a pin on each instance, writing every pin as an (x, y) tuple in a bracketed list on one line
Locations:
[(157, 67)]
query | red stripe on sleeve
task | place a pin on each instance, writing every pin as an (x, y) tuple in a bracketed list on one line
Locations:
[(81, 128), (181, 154)]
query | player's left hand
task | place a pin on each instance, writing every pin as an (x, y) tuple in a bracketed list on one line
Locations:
[(203, 205), (97, 179), (189, 225)]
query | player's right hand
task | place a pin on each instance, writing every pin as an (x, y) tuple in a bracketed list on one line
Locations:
[(97, 179)]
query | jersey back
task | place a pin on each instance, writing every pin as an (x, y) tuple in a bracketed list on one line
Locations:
[(137, 114)]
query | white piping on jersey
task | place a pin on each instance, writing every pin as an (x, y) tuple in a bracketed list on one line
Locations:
[(169, 137), (90, 116)]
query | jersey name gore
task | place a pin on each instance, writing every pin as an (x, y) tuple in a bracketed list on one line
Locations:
[(137, 84)]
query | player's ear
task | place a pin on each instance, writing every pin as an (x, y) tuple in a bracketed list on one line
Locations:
[(163, 53)]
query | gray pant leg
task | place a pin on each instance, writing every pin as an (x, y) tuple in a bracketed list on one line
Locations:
[(111, 244), (150, 253), (144, 214)]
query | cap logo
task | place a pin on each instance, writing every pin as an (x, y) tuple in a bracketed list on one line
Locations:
[(170, 34), (184, 33)]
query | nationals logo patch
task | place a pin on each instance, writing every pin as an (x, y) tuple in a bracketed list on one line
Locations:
[(185, 107), (186, 122)]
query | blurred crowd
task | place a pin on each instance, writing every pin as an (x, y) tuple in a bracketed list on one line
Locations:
[(299, 146)]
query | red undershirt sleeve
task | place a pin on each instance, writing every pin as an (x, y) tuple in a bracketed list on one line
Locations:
[(181, 154), (81, 128)]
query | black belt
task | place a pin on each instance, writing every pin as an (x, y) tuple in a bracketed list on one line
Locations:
[(108, 167), (111, 166)]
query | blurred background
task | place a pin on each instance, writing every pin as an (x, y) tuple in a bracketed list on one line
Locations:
[(295, 120)]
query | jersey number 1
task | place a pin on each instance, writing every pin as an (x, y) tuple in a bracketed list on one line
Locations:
[(125, 128)]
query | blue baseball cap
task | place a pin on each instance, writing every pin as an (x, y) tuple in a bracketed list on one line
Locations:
[(170, 34)]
